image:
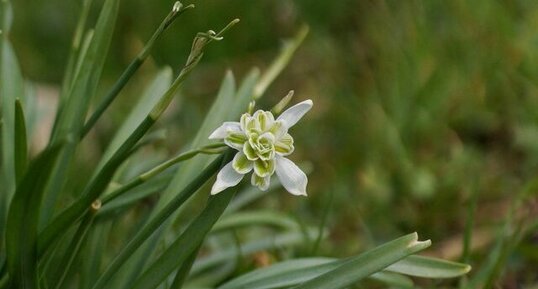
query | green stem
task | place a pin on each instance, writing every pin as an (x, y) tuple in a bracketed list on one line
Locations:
[(92, 192), (98, 184), (210, 149), (159, 219), (131, 69), (72, 251)]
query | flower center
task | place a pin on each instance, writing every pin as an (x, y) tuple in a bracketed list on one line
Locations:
[(263, 145)]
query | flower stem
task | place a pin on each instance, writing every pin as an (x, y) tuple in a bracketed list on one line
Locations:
[(210, 149), (131, 69), (101, 180), (160, 218)]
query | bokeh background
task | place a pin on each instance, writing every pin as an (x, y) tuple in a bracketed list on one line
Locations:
[(425, 116)]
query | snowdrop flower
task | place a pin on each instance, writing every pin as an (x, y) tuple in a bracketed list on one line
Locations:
[(262, 144)]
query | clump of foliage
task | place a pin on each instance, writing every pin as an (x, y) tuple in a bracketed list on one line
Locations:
[(47, 244)]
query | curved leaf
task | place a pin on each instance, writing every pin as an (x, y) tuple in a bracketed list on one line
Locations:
[(366, 264), (428, 267), (21, 237)]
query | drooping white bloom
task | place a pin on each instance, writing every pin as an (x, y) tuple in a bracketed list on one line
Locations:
[(262, 144)]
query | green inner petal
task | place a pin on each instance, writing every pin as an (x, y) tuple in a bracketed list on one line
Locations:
[(283, 149), (278, 129), (266, 155), (244, 120), (264, 168), (241, 163), (249, 151), (252, 125), (261, 183), (236, 139), (266, 120), (284, 145)]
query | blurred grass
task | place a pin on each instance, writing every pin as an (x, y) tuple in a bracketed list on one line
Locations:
[(418, 105)]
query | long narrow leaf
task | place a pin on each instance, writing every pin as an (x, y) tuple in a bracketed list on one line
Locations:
[(367, 263), (263, 243), (76, 49), (72, 115), (11, 87), (21, 145), (242, 219), (427, 267), (218, 113), (158, 86), (21, 240), (187, 243), (156, 222), (293, 272)]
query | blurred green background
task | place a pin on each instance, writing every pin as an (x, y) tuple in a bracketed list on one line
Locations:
[(425, 112)]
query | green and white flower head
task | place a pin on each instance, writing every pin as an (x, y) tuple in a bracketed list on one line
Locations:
[(262, 144)]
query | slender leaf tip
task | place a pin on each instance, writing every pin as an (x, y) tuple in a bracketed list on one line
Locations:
[(177, 6), (416, 243)]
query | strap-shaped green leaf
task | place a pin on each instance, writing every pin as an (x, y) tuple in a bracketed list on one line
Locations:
[(262, 243), (269, 218), (191, 239), (153, 225), (73, 113), (88, 75), (158, 86), (21, 240), (21, 145), (366, 264), (293, 272), (220, 111), (11, 87), (428, 267)]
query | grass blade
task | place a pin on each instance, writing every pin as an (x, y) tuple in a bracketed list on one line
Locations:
[(74, 54), (293, 272), (264, 243), (256, 218), (11, 87), (187, 243), (72, 115), (158, 86), (427, 267), (367, 263), (87, 77), (21, 145), (61, 272), (219, 112), (133, 67), (21, 242), (183, 271), (157, 221)]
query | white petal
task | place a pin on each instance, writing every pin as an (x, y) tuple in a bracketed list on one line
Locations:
[(226, 178), (293, 114), (223, 130), (291, 176)]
